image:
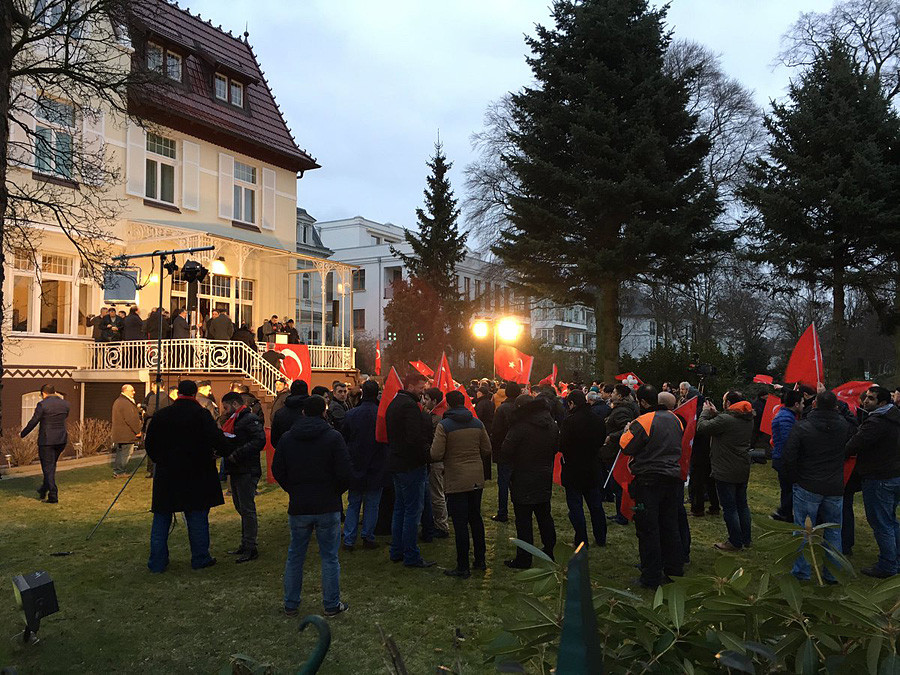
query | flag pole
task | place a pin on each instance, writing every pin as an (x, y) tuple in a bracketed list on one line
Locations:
[(816, 350), (612, 468)]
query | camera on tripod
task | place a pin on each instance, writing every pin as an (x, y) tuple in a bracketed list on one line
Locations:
[(700, 368)]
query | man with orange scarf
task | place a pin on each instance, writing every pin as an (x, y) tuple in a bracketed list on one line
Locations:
[(729, 432)]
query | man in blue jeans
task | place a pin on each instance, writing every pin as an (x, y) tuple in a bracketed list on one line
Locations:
[(878, 465), (409, 445), (499, 429), (813, 461), (181, 440), (782, 423), (581, 435), (312, 465)]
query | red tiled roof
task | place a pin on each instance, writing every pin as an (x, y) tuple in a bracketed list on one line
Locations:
[(191, 105)]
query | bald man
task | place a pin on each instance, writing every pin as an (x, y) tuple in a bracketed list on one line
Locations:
[(126, 428), (667, 399)]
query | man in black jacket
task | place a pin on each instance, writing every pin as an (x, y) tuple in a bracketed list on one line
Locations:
[(499, 429), (409, 442), (133, 325), (50, 413), (180, 328), (877, 449), (581, 436), (813, 459), (181, 441), (312, 465), (248, 439), (290, 412)]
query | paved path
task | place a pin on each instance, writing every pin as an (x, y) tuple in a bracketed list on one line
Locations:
[(64, 465)]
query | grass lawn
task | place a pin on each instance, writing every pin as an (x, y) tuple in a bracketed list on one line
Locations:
[(117, 617)]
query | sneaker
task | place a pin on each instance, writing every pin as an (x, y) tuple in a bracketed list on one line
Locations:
[(500, 519), (291, 612), (247, 556), (369, 544), (876, 571), (342, 607), (779, 517), (726, 546), (460, 574)]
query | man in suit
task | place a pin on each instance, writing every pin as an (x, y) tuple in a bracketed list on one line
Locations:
[(220, 327), (126, 428), (51, 413), (133, 325), (180, 328)]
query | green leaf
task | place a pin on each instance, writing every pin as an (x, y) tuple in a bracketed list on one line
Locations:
[(731, 642), (658, 597), (676, 605), (890, 665), (873, 651), (790, 589), (546, 585), (763, 584), (688, 667), (735, 661), (763, 650), (533, 550), (541, 610), (889, 588), (725, 566), (807, 660), (534, 574)]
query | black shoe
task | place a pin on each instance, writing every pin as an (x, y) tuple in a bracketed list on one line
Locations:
[(291, 612), (396, 560), (500, 519), (620, 520), (341, 608), (779, 517), (52, 500), (212, 561), (247, 556), (480, 566), (440, 534), (643, 584), (238, 551), (348, 547), (42, 493), (876, 571), (462, 574), (517, 564), (421, 563), (369, 544)]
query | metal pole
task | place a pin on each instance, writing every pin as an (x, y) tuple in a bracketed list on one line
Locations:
[(494, 355)]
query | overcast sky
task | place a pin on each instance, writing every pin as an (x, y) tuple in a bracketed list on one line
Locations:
[(365, 85)]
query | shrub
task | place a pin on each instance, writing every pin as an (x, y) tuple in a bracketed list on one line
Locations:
[(92, 434), (22, 451)]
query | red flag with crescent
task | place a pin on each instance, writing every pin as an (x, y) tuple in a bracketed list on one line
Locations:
[(443, 379), (849, 392), (296, 364), (773, 405), (391, 386), (806, 365), (513, 365), (378, 357), (422, 368)]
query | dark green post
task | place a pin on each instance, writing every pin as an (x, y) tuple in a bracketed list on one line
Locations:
[(579, 646)]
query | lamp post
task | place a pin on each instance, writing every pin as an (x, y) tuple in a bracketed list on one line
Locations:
[(507, 329)]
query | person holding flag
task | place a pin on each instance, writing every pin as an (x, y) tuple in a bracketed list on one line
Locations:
[(782, 423), (653, 444)]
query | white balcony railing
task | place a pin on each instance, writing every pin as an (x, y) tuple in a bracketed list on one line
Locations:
[(207, 356)]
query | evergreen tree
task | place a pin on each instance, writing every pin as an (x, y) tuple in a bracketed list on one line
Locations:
[(829, 185), (609, 163)]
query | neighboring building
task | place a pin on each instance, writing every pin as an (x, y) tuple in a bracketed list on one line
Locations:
[(214, 164)]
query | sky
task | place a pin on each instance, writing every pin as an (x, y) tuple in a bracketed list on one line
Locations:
[(366, 86)]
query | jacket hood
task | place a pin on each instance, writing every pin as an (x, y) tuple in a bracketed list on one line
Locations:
[(741, 409), (535, 412), (310, 427), (295, 401), (461, 415), (892, 414)]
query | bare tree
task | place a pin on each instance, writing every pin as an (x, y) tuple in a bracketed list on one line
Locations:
[(870, 29), (64, 65)]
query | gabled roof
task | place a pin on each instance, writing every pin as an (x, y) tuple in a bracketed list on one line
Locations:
[(258, 129)]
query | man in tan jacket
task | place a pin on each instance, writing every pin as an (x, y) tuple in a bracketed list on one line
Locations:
[(462, 443), (126, 428)]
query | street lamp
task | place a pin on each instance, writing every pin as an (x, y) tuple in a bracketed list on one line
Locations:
[(507, 329)]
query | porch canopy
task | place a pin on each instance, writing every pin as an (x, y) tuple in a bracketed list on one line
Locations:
[(310, 310)]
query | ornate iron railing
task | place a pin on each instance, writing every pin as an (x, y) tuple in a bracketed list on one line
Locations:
[(206, 356)]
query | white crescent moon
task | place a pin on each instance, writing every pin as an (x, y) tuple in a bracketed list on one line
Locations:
[(290, 353)]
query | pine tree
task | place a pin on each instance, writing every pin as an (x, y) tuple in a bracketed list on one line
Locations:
[(609, 163), (828, 189)]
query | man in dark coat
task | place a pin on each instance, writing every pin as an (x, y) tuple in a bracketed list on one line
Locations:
[(126, 428), (50, 413), (150, 410), (219, 327), (484, 411), (338, 407), (182, 440), (248, 438), (206, 399), (557, 409), (290, 412), (813, 461), (180, 328), (282, 391), (151, 325), (369, 459), (133, 325), (530, 447), (293, 337), (409, 442), (580, 438), (312, 465), (96, 324), (250, 401), (245, 335), (623, 410), (499, 429)]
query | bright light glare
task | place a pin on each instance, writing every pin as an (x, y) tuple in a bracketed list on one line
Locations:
[(154, 278), (509, 329), (480, 329), (218, 266)]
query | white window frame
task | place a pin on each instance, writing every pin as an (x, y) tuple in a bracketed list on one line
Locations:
[(33, 320), (218, 77), (56, 128), (170, 57), (162, 58), (245, 187), (159, 159), (239, 87)]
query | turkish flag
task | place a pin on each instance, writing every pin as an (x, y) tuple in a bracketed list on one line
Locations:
[(443, 379), (378, 357), (806, 365), (512, 365), (763, 379), (422, 368), (550, 379), (630, 379), (442, 407), (688, 413), (391, 386), (622, 475), (849, 465), (773, 405), (849, 392), (296, 363)]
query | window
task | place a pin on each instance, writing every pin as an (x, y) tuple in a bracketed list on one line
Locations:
[(155, 57), (46, 307), (376, 240), (48, 12), (478, 290), (164, 62), (22, 261), (221, 286), (56, 264), (359, 319), (56, 305), (173, 66), (467, 286), (244, 192), (84, 308), (29, 403), (487, 295), (53, 137), (160, 165), (306, 289), (329, 287), (237, 94), (21, 305), (359, 280), (221, 87)]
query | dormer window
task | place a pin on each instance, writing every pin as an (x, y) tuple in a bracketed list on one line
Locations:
[(164, 62), (228, 90)]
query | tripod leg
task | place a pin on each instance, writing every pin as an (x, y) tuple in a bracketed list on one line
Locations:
[(140, 464)]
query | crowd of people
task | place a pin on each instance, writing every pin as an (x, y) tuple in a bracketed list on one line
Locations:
[(112, 325), (422, 468)]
